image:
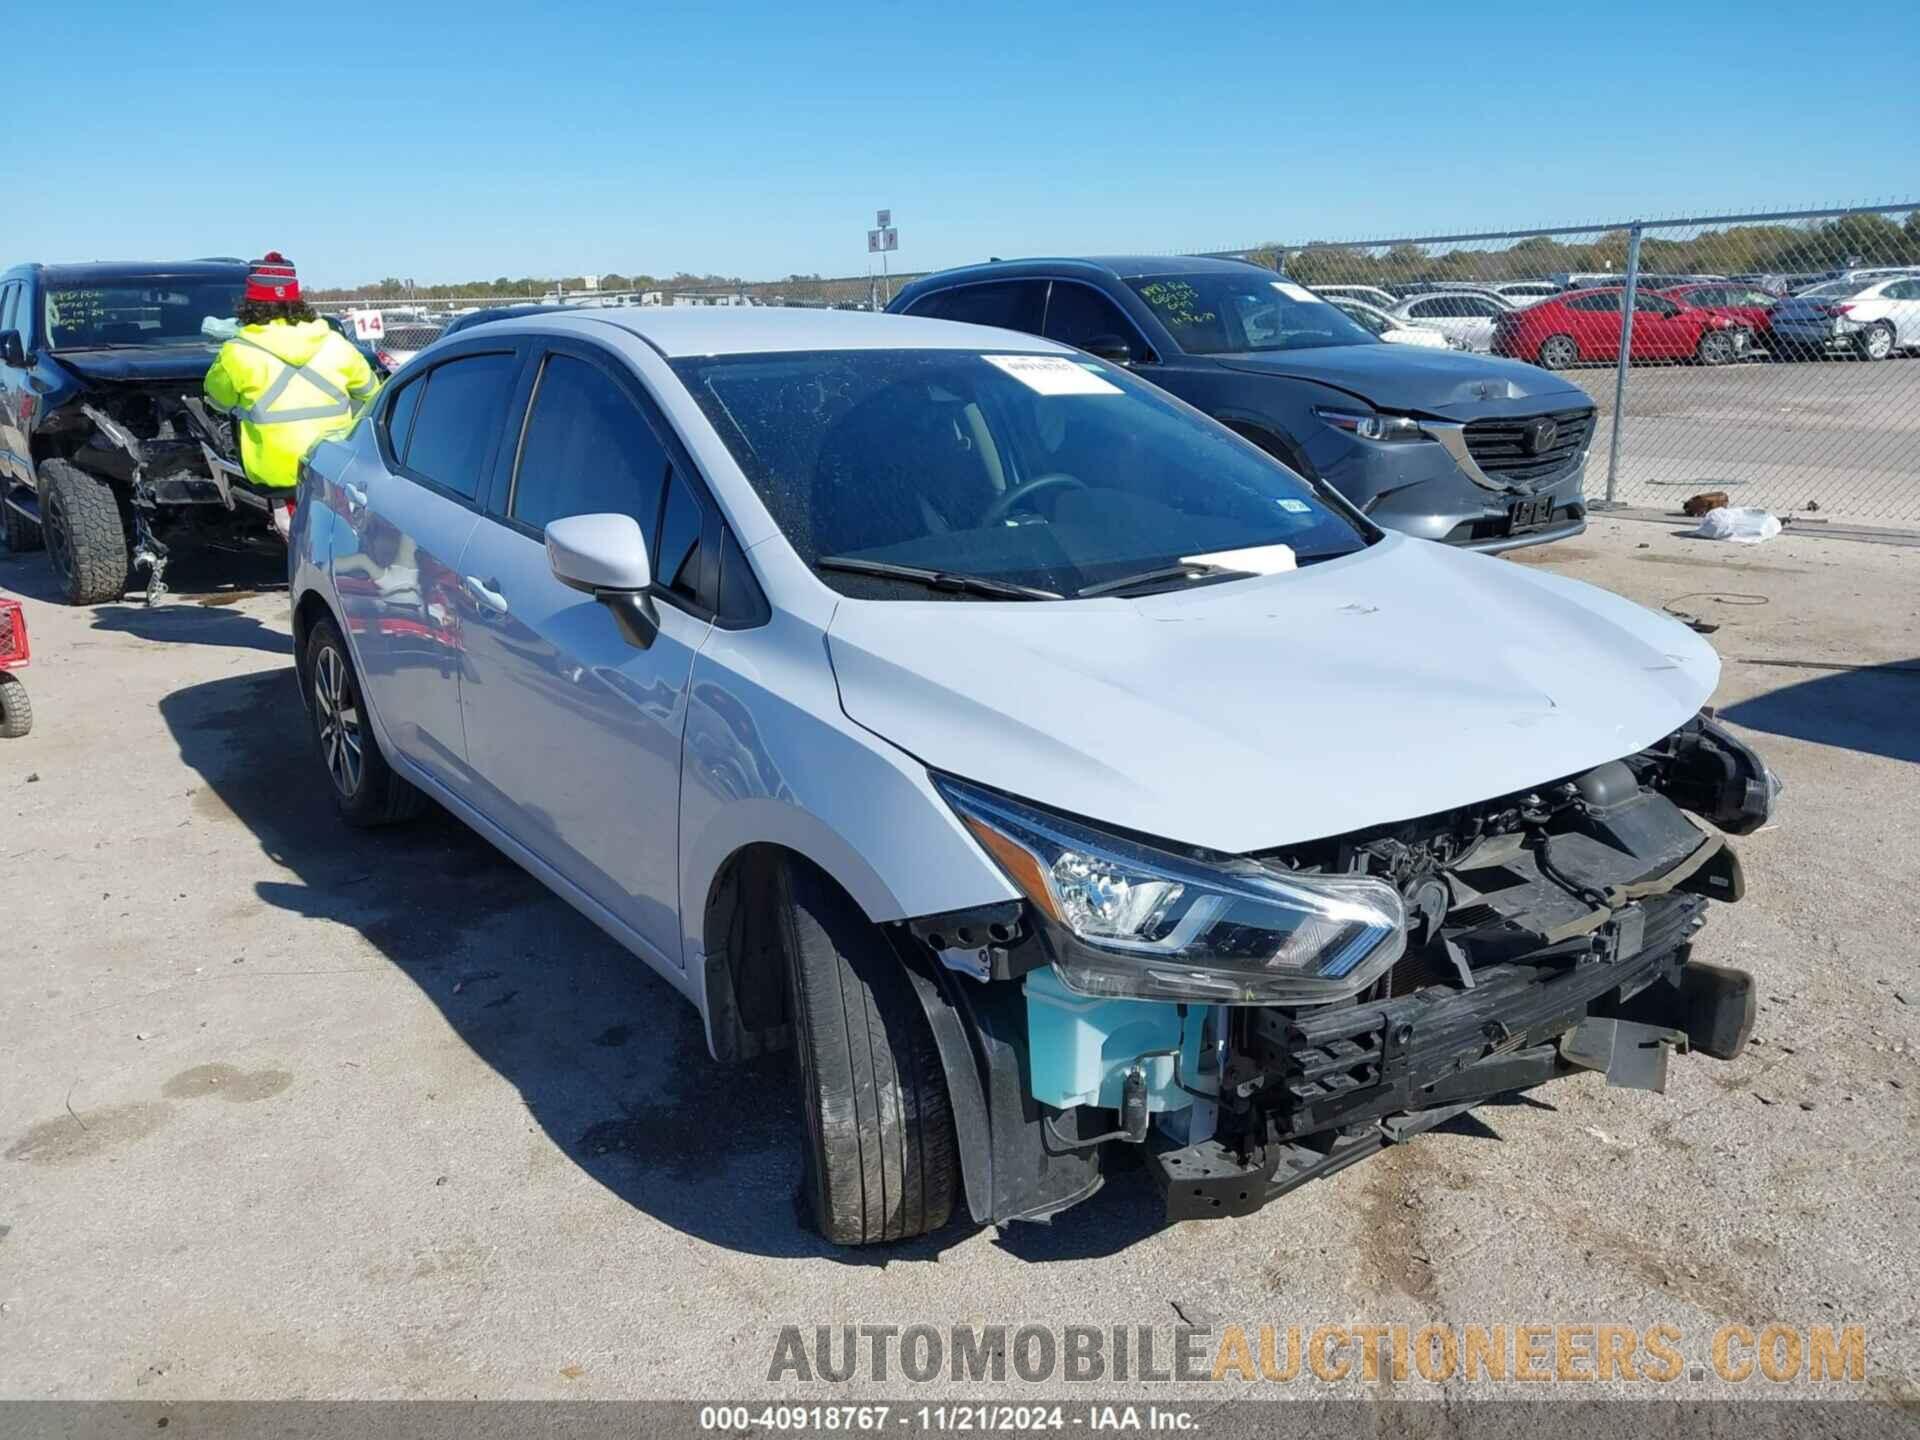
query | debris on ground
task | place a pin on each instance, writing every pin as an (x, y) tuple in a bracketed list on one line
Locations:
[(1704, 503), (1741, 524)]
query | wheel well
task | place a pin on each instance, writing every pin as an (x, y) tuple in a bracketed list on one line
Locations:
[(746, 985), (1276, 445), (308, 613)]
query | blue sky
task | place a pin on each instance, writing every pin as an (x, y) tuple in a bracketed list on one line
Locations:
[(444, 142)]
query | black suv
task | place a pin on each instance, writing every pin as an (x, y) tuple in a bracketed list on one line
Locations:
[(106, 448), (1483, 453)]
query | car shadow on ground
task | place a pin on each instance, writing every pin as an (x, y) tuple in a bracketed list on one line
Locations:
[(200, 588), (609, 1059), (1868, 708)]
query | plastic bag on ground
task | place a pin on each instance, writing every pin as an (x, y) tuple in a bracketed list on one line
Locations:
[(1742, 524)]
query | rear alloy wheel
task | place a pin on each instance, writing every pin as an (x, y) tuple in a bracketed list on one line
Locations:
[(89, 539), (1557, 352), (366, 792), (880, 1159), (1875, 342), (1715, 348)]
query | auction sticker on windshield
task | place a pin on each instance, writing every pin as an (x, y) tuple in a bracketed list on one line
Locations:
[(1052, 375), (1295, 292)]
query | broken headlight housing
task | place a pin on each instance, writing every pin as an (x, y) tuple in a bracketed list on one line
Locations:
[(1130, 919)]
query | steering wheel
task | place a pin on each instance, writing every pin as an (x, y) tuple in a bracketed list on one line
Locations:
[(1003, 507)]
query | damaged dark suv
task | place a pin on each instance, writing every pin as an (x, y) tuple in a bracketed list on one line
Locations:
[(108, 456)]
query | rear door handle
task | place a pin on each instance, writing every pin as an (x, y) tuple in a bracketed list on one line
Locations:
[(486, 594), (356, 498)]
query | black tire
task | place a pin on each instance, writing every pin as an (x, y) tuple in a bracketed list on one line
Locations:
[(366, 792), (88, 534), (1557, 352), (16, 710), (20, 533), (880, 1158), (1876, 342), (1715, 348)]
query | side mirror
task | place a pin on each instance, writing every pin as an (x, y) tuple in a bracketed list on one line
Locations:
[(1110, 348), (12, 351), (605, 556)]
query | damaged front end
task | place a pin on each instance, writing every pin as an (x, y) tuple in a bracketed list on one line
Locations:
[(155, 441), (1256, 1022)]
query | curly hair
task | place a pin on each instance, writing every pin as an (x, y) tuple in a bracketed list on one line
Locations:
[(264, 312)]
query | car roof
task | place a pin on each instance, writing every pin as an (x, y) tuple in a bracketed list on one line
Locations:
[(1120, 267), (676, 331), (106, 272)]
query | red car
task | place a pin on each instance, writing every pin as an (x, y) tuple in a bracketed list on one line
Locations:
[(1585, 325), (1748, 306)]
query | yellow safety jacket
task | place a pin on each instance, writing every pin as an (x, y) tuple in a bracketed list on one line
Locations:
[(290, 386)]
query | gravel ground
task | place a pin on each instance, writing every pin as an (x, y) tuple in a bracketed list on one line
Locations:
[(288, 1110)]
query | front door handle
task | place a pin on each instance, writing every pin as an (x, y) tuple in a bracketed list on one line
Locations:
[(486, 594)]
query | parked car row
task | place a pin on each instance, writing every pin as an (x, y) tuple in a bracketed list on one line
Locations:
[(1050, 769)]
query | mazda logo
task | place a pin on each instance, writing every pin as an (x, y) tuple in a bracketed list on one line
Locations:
[(1540, 436)]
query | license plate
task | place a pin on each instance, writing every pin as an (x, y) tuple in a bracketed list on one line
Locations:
[(1531, 513)]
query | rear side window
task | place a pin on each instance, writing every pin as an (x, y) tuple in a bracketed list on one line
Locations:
[(1009, 304), (1601, 303), (588, 451), (456, 419)]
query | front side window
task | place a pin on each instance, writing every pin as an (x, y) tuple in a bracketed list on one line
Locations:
[(1080, 316), (134, 314), (1224, 312), (588, 451), (1655, 305), (1051, 472), (456, 419)]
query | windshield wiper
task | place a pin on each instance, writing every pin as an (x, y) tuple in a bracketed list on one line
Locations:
[(1155, 577), (935, 579)]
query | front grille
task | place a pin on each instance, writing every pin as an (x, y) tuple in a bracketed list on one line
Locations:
[(1500, 447)]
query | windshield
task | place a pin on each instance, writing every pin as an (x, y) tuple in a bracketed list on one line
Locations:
[(155, 311), (1232, 312), (1366, 317), (1040, 471)]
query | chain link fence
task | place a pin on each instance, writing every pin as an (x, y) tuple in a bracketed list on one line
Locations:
[(1771, 357)]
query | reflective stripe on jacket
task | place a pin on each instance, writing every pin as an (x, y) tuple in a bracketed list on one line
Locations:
[(290, 386)]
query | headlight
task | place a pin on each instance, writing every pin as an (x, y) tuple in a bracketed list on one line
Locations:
[(1372, 427), (1130, 919)]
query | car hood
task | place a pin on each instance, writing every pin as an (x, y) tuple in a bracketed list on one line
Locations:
[(1447, 383), (1395, 683), (147, 363)]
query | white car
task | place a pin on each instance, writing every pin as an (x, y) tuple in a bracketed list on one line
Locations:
[(1465, 316), (1365, 294), (1523, 292), (1872, 318), (1389, 328)]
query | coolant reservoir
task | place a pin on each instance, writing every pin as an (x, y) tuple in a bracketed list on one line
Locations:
[(1080, 1047)]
